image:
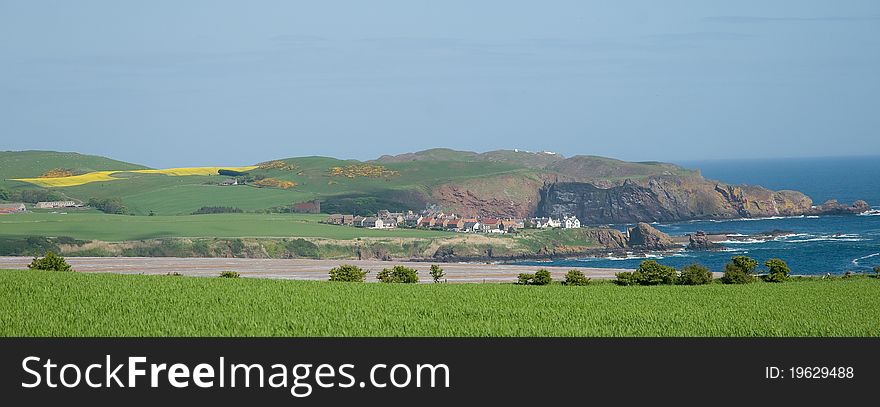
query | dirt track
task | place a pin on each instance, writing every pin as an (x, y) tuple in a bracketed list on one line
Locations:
[(299, 269)]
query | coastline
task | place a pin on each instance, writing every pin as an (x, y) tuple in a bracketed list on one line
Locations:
[(302, 269)]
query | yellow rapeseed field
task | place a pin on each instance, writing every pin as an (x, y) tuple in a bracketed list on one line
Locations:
[(101, 176)]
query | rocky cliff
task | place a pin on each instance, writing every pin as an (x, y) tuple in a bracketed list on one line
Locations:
[(676, 198)]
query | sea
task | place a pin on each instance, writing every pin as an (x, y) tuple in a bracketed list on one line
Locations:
[(812, 245)]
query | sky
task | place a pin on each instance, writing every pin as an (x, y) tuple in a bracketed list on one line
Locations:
[(181, 83)]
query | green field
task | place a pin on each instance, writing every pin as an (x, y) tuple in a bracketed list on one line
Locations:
[(98, 226), (76, 304)]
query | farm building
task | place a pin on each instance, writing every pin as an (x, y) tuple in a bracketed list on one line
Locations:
[(56, 204), (229, 182), (307, 207), (12, 208)]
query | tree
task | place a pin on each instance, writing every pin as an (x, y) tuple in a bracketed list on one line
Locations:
[(437, 273), (652, 273), (398, 274), (575, 278), (109, 205), (695, 274), (348, 274), (49, 262), (739, 270), (778, 271)]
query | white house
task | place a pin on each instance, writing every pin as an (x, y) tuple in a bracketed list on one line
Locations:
[(571, 222), (373, 223), (542, 223)]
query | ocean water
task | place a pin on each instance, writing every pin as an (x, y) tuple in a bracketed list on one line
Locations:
[(813, 245)]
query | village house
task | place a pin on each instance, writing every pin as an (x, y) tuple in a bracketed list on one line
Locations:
[(372, 222), (427, 222), (513, 223), (56, 205), (471, 225), (339, 219), (489, 225), (12, 208), (412, 220), (454, 224), (571, 222), (229, 182), (542, 223), (389, 222), (358, 221)]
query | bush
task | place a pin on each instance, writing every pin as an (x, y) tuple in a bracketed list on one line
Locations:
[(778, 271), (695, 274), (437, 273), (575, 278), (229, 274), (541, 277), (49, 262), (877, 270), (627, 278), (739, 270), (398, 274), (652, 273), (524, 278), (348, 274)]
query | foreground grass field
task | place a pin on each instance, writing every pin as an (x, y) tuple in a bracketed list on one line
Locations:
[(100, 226), (76, 304)]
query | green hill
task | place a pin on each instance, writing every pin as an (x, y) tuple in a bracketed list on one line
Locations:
[(23, 164), (407, 181)]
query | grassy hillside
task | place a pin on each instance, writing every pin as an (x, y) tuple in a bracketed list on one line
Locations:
[(23, 164), (99, 226), (76, 304), (407, 181)]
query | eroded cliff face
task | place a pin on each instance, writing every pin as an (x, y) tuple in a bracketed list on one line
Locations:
[(666, 199), (501, 196)]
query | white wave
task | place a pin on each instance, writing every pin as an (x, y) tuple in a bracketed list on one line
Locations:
[(856, 261), (631, 256), (871, 212), (812, 217), (736, 235), (827, 239), (745, 241)]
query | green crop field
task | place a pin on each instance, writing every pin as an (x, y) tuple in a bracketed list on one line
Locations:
[(90, 225), (76, 304)]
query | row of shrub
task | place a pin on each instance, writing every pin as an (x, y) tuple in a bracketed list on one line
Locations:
[(740, 270), (29, 195), (397, 274), (207, 210)]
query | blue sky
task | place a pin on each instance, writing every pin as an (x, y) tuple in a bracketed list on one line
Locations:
[(168, 83)]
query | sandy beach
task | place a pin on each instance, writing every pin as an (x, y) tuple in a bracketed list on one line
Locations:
[(297, 269)]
